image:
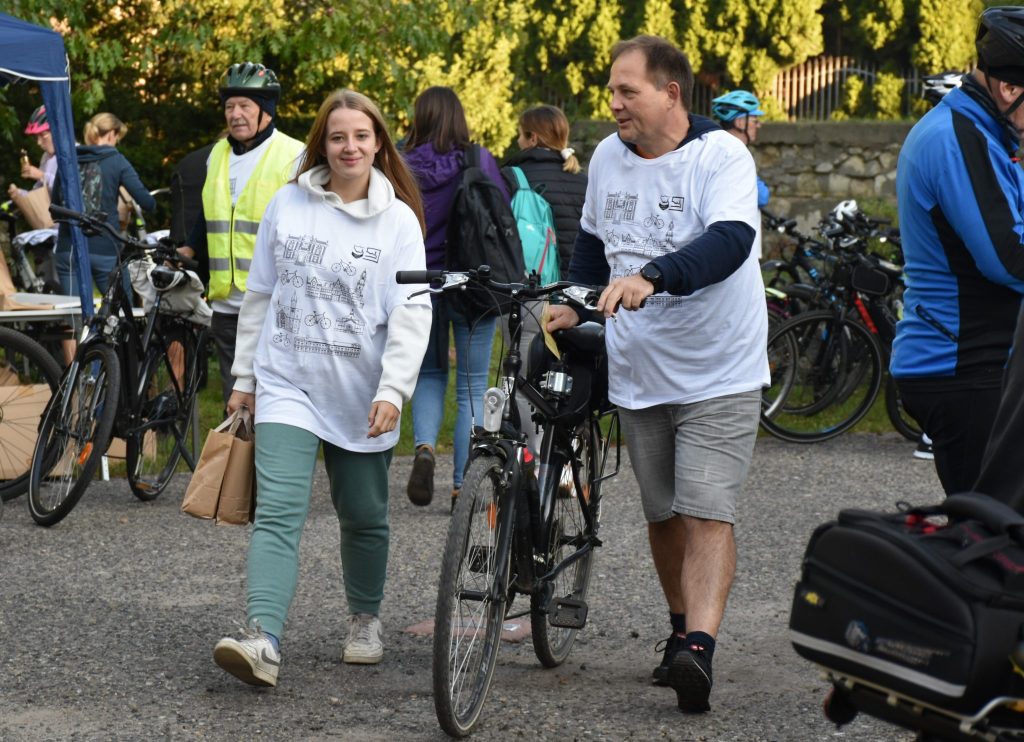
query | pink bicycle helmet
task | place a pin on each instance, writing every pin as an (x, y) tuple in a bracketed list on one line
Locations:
[(37, 123)]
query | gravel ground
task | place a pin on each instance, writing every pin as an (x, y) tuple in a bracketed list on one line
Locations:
[(109, 618)]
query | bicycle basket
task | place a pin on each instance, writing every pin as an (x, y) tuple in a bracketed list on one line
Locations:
[(868, 280), (180, 297)]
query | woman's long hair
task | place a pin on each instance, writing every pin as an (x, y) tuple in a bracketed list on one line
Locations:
[(551, 128), (101, 124), (387, 159), (438, 118)]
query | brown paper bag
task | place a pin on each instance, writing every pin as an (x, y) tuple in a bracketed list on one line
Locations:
[(34, 205), (237, 490), (218, 465)]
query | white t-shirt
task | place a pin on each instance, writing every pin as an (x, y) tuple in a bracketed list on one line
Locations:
[(331, 276), (240, 169), (679, 349)]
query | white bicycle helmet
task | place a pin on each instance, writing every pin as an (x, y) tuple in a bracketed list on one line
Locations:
[(845, 210)]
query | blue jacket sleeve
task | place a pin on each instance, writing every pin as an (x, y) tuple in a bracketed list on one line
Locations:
[(588, 264), (710, 258), (133, 184), (763, 194)]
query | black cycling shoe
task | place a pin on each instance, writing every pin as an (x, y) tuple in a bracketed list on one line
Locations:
[(671, 646), (690, 678)]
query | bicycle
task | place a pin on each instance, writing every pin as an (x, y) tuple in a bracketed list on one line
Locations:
[(512, 533), (135, 382), (29, 376)]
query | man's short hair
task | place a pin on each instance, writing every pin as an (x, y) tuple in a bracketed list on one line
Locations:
[(665, 63)]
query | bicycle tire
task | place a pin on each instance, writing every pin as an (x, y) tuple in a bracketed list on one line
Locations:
[(468, 619), (77, 428), (844, 350), (567, 531), (901, 420), (30, 376), (163, 419)]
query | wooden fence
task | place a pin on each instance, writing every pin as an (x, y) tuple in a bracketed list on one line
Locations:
[(812, 90)]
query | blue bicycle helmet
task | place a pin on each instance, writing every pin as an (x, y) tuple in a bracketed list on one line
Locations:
[(737, 103)]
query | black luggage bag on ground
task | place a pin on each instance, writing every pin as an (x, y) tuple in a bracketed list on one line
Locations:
[(917, 617)]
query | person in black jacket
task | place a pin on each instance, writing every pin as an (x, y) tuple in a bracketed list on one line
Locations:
[(551, 169)]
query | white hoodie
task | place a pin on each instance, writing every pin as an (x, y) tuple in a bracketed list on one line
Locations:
[(325, 330)]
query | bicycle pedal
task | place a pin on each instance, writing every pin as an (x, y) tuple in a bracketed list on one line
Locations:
[(568, 613)]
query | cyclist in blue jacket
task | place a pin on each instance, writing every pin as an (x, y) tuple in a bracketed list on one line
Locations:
[(739, 113), (961, 207)]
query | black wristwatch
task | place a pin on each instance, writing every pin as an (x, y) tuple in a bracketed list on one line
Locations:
[(652, 273)]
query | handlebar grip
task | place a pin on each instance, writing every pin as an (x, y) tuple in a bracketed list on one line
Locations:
[(59, 212), (188, 263), (418, 276)]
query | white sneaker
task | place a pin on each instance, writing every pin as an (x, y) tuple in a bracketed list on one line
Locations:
[(924, 449), (363, 645), (253, 659)]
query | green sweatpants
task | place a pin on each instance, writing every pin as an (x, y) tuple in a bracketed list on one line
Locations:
[(285, 459)]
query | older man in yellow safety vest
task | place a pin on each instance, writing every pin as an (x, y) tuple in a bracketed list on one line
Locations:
[(242, 174)]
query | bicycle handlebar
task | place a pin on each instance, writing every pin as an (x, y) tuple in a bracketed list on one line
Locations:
[(163, 250), (579, 295)]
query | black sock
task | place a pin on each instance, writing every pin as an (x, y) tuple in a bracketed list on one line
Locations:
[(678, 622), (699, 641)]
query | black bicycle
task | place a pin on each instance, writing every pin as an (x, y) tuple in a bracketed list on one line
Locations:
[(523, 524), (135, 379)]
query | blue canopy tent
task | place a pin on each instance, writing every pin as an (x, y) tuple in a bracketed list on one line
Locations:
[(30, 52)]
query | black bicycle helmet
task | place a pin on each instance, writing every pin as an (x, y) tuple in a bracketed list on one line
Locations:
[(250, 79), (1000, 44), (935, 87)]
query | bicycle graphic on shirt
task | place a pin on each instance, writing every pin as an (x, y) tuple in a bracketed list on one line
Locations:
[(318, 318), (344, 265), (293, 277), (654, 221)]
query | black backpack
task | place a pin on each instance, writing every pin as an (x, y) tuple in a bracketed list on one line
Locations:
[(482, 231)]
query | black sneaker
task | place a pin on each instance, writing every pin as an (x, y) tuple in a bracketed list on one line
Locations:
[(924, 449), (421, 481), (671, 645), (690, 678)]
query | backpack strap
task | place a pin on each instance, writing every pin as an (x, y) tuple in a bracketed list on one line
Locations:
[(521, 180), (471, 156)]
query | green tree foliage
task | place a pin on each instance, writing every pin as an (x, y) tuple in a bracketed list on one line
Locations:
[(157, 63), (887, 96), (945, 41)]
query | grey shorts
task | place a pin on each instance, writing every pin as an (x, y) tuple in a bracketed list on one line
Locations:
[(692, 459)]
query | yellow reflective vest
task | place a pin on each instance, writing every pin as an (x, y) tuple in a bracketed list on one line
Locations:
[(231, 231)]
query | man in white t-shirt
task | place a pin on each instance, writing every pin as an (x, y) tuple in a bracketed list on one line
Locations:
[(671, 224), (243, 173)]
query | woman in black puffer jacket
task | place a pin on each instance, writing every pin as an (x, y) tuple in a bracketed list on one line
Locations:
[(552, 170)]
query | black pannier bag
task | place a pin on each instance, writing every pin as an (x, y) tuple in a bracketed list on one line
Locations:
[(917, 616)]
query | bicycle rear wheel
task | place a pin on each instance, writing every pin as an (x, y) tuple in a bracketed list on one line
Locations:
[(567, 532), (471, 598), (164, 417), (825, 375), (29, 376), (74, 435)]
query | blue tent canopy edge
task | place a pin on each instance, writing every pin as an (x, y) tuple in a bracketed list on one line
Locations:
[(31, 52)]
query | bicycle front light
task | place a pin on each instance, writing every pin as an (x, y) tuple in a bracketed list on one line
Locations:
[(494, 406)]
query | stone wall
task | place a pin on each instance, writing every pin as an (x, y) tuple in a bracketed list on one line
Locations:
[(809, 167)]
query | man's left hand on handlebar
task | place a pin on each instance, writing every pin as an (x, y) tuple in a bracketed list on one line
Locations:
[(629, 292)]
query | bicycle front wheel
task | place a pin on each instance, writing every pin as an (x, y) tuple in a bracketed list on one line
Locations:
[(29, 376), (74, 435), (164, 417), (904, 423), (826, 372), (570, 489), (471, 598)]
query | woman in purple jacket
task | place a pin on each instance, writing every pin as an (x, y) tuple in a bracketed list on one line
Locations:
[(434, 152)]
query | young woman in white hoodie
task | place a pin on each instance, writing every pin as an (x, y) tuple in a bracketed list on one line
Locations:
[(327, 352)]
